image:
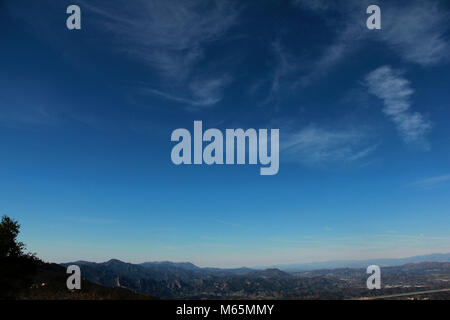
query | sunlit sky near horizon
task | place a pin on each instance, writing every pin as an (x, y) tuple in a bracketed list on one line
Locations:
[(86, 117)]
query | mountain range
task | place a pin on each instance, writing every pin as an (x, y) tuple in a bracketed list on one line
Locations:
[(170, 280)]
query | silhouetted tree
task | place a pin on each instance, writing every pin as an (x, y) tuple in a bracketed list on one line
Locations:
[(16, 266)]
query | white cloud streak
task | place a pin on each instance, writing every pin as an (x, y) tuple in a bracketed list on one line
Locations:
[(314, 145), (395, 92)]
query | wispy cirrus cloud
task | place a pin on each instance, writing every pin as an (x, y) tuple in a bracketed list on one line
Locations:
[(349, 30), (342, 46), (315, 145), (433, 181), (205, 92), (170, 37), (417, 32), (395, 91), (285, 66)]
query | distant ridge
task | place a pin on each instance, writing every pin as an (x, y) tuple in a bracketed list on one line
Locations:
[(390, 262), (183, 265), (332, 264)]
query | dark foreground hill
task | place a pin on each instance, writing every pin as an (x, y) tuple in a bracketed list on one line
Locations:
[(24, 276), (49, 282)]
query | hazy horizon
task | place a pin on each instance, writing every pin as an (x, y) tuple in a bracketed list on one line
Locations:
[(250, 266)]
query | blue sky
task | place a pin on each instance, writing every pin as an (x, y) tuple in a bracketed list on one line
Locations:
[(364, 119)]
